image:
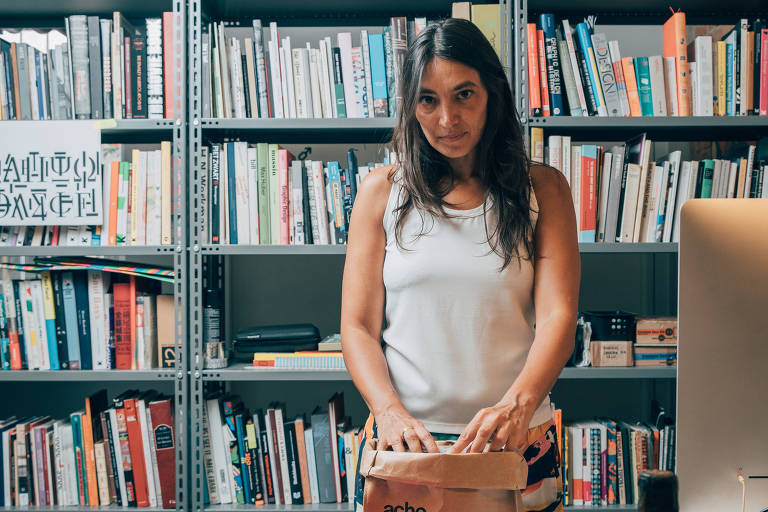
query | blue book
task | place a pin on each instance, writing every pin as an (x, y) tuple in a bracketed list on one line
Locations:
[(70, 319), (585, 41), (77, 444), (5, 345), (554, 81), (50, 319), (40, 86), (337, 201), (244, 456), (231, 192), (730, 104), (378, 75), (80, 282), (643, 75)]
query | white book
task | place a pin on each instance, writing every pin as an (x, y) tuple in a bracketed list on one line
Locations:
[(253, 84), (101, 472), (112, 418), (117, 66), (329, 62), (674, 174), (347, 74), (742, 66), (283, 456), (166, 219), (275, 78), (149, 445), (217, 93), (642, 191), (226, 86), (299, 72), (311, 464), (306, 67), (274, 465), (630, 203), (56, 466), (139, 210), (242, 193), (648, 224), (613, 48), (297, 202), (682, 197), (578, 466), (68, 462), (349, 462), (733, 176), (315, 82), (318, 182), (236, 78), (228, 438), (141, 363), (286, 64), (765, 182), (39, 314), (695, 105), (704, 74), (605, 182), (3, 93), (314, 219), (670, 80), (359, 82), (36, 114), (32, 346), (367, 69), (97, 308), (726, 178), (325, 85), (261, 71), (253, 195), (220, 450), (555, 146), (716, 178), (576, 183), (658, 96), (566, 158), (153, 189), (211, 474), (568, 34), (150, 331)]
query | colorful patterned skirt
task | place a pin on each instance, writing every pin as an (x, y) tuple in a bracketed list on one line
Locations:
[(543, 492)]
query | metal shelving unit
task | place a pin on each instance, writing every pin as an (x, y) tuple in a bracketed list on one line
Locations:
[(51, 13), (322, 507)]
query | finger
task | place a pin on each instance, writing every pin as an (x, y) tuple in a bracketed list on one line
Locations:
[(500, 438), (464, 439), (397, 445), (427, 440), (486, 430), (413, 440), (382, 445)]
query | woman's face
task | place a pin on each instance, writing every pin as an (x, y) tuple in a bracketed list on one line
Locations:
[(451, 107)]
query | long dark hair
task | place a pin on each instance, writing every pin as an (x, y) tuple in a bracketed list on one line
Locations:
[(501, 160)]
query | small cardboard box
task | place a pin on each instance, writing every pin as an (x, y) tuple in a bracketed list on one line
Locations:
[(656, 354), (657, 330), (611, 353)]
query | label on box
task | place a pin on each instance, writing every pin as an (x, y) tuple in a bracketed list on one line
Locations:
[(657, 330), (611, 353)]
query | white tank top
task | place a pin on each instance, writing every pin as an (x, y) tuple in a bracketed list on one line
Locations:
[(457, 331)]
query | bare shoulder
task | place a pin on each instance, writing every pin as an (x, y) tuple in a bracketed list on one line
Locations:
[(373, 191), (549, 184)]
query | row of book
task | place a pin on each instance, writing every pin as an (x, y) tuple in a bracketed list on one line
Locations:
[(85, 320), (102, 68), (704, 71), (621, 195), (354, 76), (261, 194), (137, 203), (265, 458), (120, 452), (601, 460)]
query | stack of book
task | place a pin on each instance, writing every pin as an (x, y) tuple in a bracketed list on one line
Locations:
[(137, 198), (656, 342), (264, 458), (260, 194), (123, 454), (704, 71), (352, 75), (622, 195), (85, 320), (102, 68)]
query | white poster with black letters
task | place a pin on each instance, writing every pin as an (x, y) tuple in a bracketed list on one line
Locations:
[(50, 173)]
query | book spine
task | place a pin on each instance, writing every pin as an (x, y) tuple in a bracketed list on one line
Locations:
[(543, 85), (266, 459), (255, 465), (105, 27), (244, 459), (169, 52), (154, 68), (607, 78), (135, 444), (125, 454), (547, 22), (585, 42), (94, 67), (163, 440), (642, 72)]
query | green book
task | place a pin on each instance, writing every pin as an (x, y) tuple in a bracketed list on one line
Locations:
[(263, 189), (643, 74), (338, 84), (706, 182)]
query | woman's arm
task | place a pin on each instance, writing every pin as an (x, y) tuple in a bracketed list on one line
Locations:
[(362, 307), (557, 270)]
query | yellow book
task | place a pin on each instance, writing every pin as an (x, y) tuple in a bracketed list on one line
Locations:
[(537, 144), (721, 78), (487, 17), (461, 10), (166, 224)]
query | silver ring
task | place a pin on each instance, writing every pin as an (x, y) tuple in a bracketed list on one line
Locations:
[(406, 429)]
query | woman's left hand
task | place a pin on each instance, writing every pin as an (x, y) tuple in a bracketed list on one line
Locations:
[(505, 424)]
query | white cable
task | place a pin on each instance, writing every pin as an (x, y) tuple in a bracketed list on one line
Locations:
[(743, 491)]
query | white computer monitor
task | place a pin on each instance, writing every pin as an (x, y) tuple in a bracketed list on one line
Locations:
[(722, 375)]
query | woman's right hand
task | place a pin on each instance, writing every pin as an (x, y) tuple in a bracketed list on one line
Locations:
[(398, 429)]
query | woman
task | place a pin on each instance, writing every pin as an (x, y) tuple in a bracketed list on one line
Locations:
[(465, 246)]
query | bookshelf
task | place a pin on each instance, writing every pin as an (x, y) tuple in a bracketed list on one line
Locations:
[(60, 392)]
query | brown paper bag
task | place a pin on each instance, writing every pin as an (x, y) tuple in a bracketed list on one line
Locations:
[(442, 482)]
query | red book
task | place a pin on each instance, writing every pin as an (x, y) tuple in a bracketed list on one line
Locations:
[(121, 298), (168, 75), (534, 92), (136, 447), (764, 72), (55, 236), (165, 449), (127, 85), (542, 73), (125, 451), (588, 220), (283, 163)]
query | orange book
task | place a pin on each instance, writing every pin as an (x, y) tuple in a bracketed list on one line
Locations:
[(534, 92), (168, 56), (628, 66), (136, 447), (675, 46), (114, 185), (132, 306), (542, 73), (15, 68), (90, 459), (298, 424)]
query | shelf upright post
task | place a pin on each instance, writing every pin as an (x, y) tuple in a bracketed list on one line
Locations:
[(520, 67)]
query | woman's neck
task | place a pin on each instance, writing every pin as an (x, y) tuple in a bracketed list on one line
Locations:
[(463, 167)]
